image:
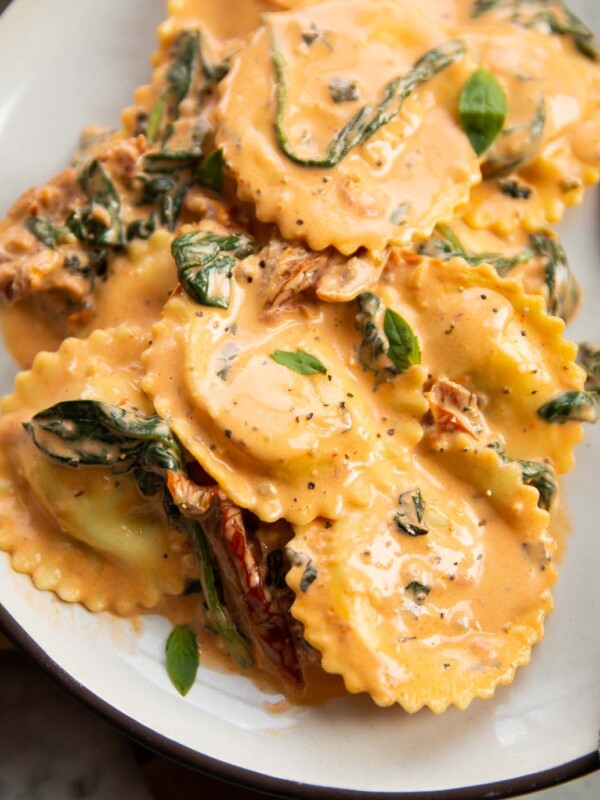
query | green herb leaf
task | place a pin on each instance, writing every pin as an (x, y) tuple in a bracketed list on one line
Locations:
[(403, 346), (579, 406), (182, 158), (372, 347), (89, 433), (409, 519), (515, 146), (180, 73), (542, 478), (483, 108), (533, 473), (182, 658), (558, 20), (368, 119), (45, 231), (589, 358), (563, 292), (445, 244), (219, 614), (309, 576), (98, 186), (142, 228), (300, 362), (211, 171), (514, 189), (204, 265), (155, 120)]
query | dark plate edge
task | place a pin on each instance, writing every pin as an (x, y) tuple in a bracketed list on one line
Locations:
[(263, 783)]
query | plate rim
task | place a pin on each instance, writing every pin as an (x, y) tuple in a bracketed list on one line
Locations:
[(248, 779), (278, 787)]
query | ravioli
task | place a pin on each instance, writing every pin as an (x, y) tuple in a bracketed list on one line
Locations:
[(551, 136), (434, 619), (484, 333), (282, 443), (332, 59), (123, 559)]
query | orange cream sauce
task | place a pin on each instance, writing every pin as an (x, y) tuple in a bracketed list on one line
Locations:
[(401, 181), (274, 439)]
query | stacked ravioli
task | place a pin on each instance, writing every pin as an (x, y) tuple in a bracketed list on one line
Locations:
[(294, 342)]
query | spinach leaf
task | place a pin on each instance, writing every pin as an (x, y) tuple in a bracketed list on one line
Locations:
[(445, 244), (372, 347), (409, 520), (45, 231), (589, 358), (142, 228), (300, 362), (204, 265), (562, 287), (515, 147), (573, 405), (78, 433), (514, 189), (368, 119), (98, 186), (552, 16), (403, 346), (483, 108), (98, 223), (182, 658), (542, 478), (533, 473), (309, 576), (157, 115), (211, 171), (89, 433), (389, 345), (180, 73)]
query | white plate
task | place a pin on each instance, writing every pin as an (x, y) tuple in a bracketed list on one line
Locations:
[(68, 63)]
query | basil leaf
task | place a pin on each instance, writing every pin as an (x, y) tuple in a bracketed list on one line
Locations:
[(204, 265), (182, 658), (403, 350), (574, 405), (409, 519), (483, 108), (210, 172), (368, 119), (300, 362)]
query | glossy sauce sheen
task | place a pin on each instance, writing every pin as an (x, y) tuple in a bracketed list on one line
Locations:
[(431, 619)]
